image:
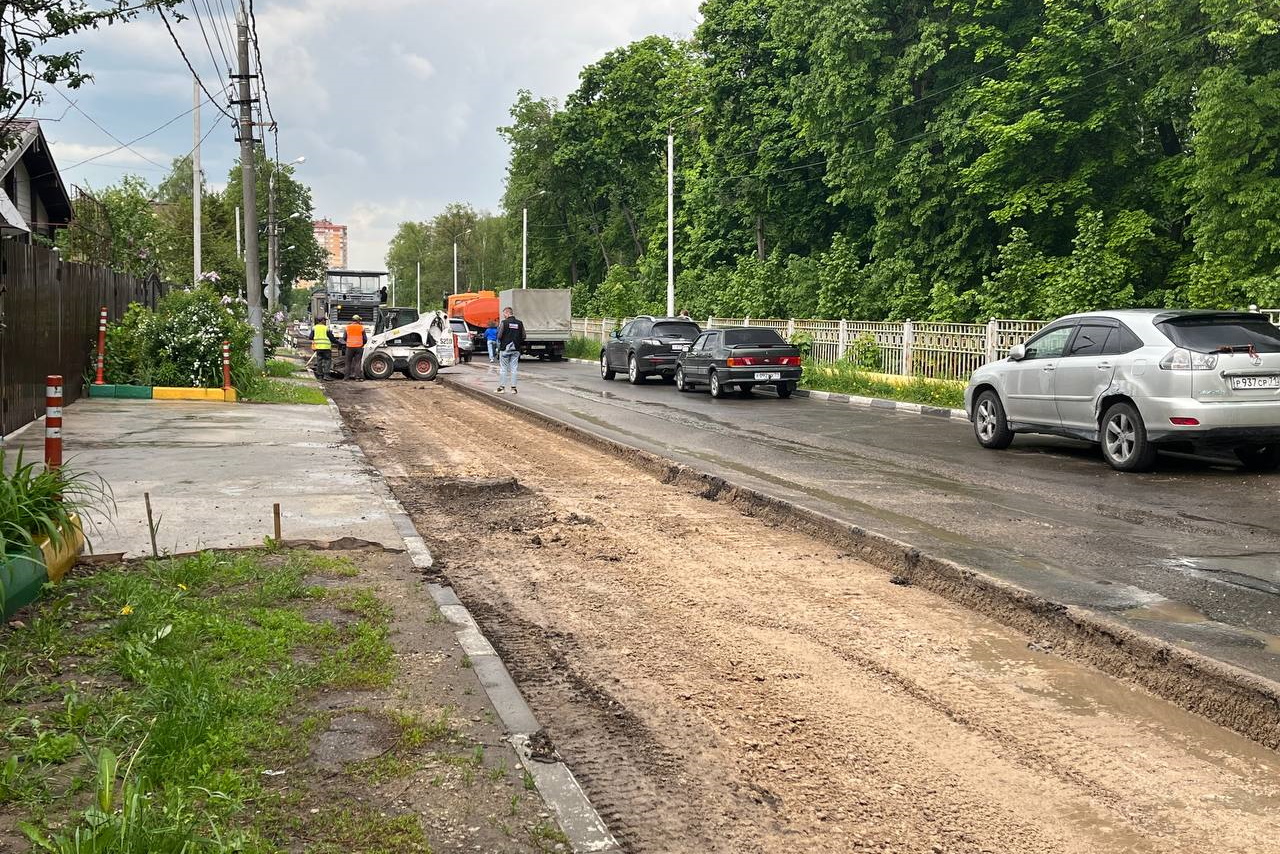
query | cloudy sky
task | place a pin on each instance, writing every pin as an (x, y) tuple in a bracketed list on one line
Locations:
[(394, 103)]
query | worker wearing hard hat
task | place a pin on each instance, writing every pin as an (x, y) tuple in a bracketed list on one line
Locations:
[(322, 341), (355, 349)]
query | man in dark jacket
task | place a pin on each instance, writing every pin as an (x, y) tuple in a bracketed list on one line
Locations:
[(510, 343)]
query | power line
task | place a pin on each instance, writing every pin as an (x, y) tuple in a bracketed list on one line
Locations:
[(200, 20), (262, 78), (95, 123), (190, 67)]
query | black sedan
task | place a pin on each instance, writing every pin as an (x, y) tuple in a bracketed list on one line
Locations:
[(742, 357)]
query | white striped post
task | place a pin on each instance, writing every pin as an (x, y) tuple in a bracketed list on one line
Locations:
[(102, 342), (226, 366), (53, 421)]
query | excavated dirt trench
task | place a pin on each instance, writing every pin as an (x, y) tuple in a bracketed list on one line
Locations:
[(721, 685)]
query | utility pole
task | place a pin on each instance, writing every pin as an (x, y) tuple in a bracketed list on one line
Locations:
[(195, 185), (249, 182), (418, 304)]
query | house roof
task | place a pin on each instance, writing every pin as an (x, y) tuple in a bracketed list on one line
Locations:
[(46, 180)]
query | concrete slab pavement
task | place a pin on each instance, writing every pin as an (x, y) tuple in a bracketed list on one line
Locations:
[(214, 471)]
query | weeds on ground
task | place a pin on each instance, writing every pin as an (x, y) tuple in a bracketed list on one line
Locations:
[(281, 368), (267, 390), (845, 378), (582, 348), (176, 678), (38, 502)]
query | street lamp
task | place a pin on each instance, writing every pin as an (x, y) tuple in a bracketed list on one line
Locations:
[(524, 242), (671, 211), (455, 258)]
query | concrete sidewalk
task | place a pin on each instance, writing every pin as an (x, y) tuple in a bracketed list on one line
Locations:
[(214, 470)]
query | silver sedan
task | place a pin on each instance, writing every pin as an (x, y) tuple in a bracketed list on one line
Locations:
[(1139, 380)]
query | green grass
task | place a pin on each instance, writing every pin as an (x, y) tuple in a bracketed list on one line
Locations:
[(582, 348), (266, 390), (844, 378), (282, 368), (177, 682)]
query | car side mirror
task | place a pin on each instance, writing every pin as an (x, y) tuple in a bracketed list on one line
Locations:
[(617, 334), (1017, 353)]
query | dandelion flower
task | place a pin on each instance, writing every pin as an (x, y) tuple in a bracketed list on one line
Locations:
[(182, 587), (126, 610)]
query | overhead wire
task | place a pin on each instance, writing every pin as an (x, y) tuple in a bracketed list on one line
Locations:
[(205, 35), (190, 67), (99, 126)]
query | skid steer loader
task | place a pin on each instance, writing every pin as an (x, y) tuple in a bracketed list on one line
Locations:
[(417, 345)]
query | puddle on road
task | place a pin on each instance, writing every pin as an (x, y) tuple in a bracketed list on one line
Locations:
[(1176, 613), (1254, 571), (1082, 691)]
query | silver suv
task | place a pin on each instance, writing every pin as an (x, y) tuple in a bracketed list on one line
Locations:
[(1139, 380)]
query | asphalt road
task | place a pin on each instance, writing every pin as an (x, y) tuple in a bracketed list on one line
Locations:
[(1189, 552)]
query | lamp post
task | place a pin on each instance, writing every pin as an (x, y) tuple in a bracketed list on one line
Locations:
[(671, 211), (455, 258), (524, 241)]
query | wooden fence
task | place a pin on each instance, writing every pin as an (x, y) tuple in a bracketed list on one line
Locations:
[(49, 324)]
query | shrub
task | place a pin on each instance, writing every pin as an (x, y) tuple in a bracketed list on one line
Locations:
[(864, 353), (180, 343)]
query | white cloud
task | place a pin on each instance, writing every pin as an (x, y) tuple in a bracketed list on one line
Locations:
[(394, 102)]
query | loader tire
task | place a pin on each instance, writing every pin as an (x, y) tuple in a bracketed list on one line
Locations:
[(379, 366), (423, 366)]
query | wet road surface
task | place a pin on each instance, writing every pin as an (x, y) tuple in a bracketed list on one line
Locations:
[(1189, 552)]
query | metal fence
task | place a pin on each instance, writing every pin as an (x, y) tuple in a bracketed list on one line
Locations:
[(49, 324), (947, 351)]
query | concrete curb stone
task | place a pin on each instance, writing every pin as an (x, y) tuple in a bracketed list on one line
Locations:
[(854, 400), (578, 819)]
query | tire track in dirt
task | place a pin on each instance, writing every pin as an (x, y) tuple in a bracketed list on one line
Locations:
[(720, 685)]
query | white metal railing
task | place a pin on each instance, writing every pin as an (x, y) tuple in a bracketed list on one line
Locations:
[(948, 351)]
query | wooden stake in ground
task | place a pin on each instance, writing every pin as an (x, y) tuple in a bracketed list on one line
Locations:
[(275, 512), (151, 525)]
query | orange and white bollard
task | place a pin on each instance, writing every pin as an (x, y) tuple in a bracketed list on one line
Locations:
[(226, 366), (102, 343), (53, 421)]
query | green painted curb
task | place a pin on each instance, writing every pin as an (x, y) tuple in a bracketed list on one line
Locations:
[(22, 577), (135, 392)]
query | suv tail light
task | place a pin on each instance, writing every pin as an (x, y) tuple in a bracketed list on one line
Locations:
[(1180, 359)]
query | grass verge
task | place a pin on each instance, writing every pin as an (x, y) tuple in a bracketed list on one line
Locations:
[(267, 390), (843, 378), (582, 348), (143, 703), (281, 368)]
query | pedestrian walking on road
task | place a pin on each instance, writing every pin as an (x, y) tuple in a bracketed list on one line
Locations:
[(322, 341), (510, 342), (491, 339), (355, 350)]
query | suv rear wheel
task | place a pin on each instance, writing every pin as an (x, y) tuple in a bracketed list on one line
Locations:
[(633, 371), (1124, 439), (989, 423)]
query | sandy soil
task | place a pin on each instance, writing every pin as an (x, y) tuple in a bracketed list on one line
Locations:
[(723, 686)]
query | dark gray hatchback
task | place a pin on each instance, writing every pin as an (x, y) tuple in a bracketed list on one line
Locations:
[(742, 357), (647, 345)]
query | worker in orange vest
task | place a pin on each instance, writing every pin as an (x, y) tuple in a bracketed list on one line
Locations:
[(355, 350)]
